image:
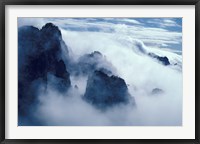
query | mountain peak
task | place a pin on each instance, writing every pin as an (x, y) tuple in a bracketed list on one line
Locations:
[(49, 25), (50, 29), (105, 91)]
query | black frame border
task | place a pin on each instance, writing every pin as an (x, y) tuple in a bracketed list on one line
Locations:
[(3, 4)]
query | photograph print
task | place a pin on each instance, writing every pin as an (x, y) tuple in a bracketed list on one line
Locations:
[(99, 71)]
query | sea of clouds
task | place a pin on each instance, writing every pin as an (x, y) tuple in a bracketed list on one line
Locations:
[(124, 46)]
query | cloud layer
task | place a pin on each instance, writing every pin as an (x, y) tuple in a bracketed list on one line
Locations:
[(154, 32), (123, 42)]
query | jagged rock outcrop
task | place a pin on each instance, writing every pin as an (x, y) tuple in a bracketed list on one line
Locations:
[(40, 63), (105, 91), (164, 60)]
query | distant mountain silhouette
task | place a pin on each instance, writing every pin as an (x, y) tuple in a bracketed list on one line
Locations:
[(88, 63), (164, 60), (157, 91)]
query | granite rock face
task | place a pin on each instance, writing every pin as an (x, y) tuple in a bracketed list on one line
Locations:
[(39, 53), (105, 91)]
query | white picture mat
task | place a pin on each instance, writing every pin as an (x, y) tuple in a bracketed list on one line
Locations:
[(186, 131)]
